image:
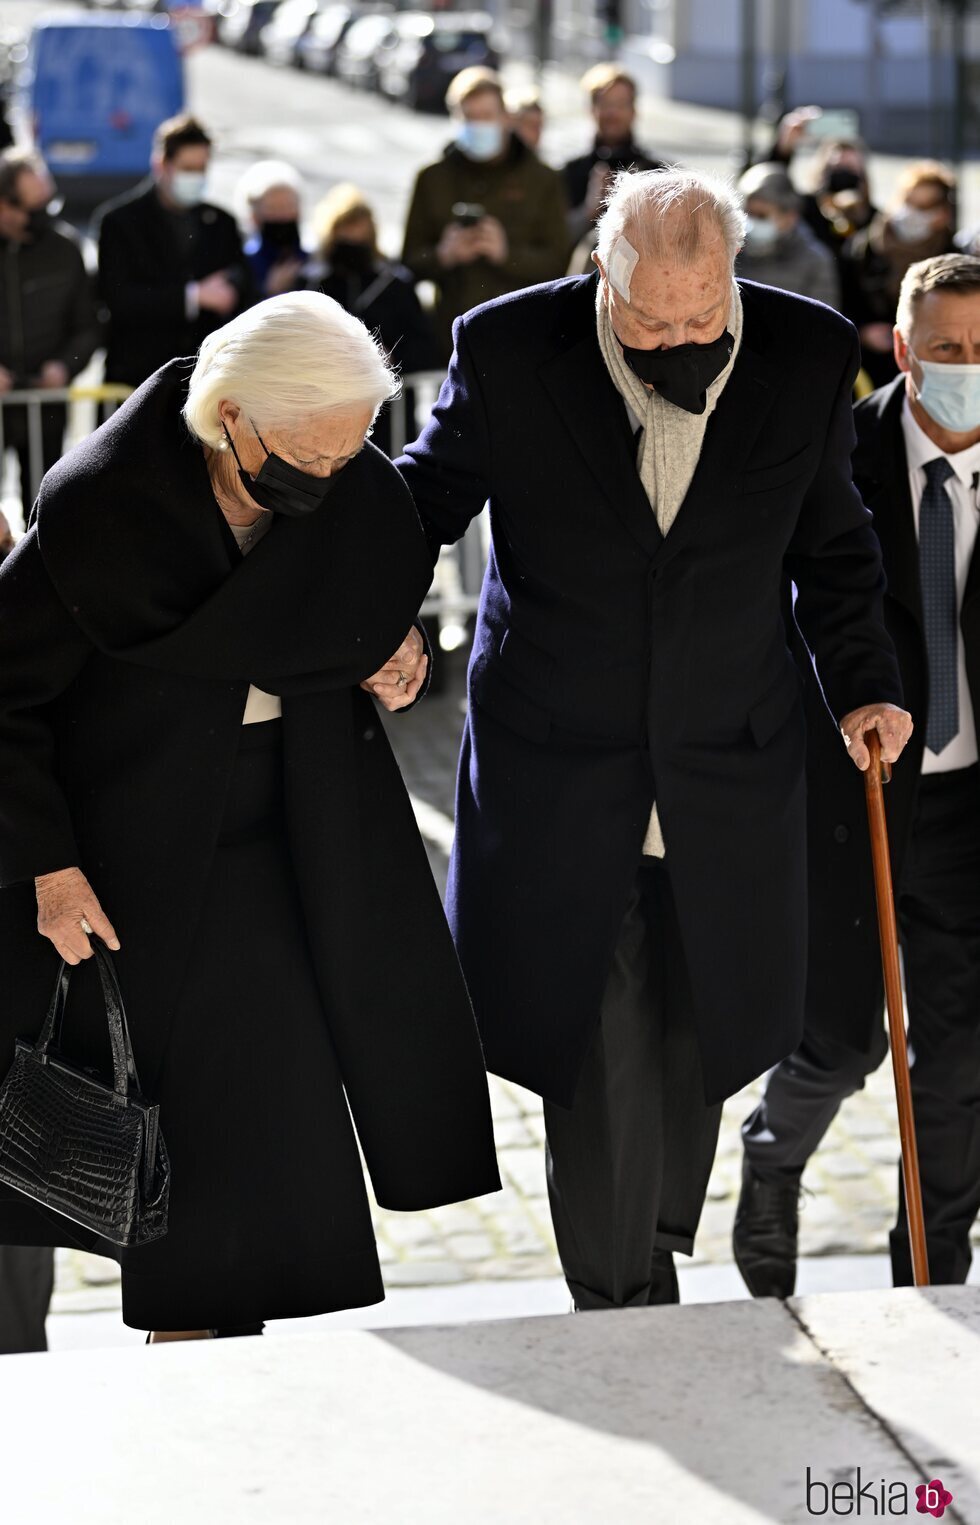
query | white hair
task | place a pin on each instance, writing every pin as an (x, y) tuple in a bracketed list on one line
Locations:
[(670, 216), (283, 361), (267, 175)]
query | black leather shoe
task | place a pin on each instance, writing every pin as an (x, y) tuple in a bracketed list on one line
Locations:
[(765, 1233)]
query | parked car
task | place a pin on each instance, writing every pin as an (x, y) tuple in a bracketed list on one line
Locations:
[(241, 21), (318, 46), (97, 84), (416, 66), (356, 56), (279, 39)]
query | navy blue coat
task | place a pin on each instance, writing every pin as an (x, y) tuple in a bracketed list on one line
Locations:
[(612, 667)]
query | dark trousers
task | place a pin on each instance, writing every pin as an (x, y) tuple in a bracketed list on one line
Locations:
[(26, 1283), (628, 1165), (16, 437), (938, 905)]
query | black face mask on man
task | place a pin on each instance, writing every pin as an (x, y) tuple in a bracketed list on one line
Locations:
[(280, 487), (684, 373)]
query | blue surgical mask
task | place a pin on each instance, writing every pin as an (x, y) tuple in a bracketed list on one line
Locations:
[(761, 234), (480, 140), (950, 394), (187, 187)]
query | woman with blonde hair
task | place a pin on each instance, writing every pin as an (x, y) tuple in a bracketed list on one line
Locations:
[(194, 774), (918, 224), (351, 269)]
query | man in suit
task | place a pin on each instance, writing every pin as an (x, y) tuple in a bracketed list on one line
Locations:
[(171, 265), (917, 465), (627, 888)]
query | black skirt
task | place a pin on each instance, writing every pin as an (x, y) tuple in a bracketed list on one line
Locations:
[(269, 1216)]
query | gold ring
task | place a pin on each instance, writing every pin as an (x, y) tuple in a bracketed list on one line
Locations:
[(402, 680)]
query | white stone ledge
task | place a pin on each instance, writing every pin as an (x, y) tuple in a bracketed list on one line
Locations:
[(709, 1413)]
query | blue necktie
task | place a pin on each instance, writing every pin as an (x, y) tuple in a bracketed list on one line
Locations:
[(937, 570)]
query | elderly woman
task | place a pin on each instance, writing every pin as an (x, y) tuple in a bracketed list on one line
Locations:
[(191, 768)]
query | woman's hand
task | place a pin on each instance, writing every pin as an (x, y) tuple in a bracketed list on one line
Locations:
[(65, 900), (399, 681)]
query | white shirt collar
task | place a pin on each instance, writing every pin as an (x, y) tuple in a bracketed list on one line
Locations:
[(920, 449)]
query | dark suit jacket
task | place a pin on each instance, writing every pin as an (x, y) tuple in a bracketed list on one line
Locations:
[(147, 255), (612, 666), (844, 952)]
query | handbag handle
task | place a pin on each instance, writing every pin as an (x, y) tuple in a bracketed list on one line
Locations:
[(125, 1080)]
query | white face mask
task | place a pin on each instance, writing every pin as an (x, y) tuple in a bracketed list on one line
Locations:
[(950, 394), (911, 225), (480, 140), (761, 234), (187, 186)]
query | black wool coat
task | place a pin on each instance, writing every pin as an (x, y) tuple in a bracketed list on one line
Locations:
[(612, 666), (128, 638), (844, 949), (147, 255)]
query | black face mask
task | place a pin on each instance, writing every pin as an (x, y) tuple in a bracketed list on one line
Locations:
[(346, 255), (683, 374), (281, 236), (842, 180), (281, 488)]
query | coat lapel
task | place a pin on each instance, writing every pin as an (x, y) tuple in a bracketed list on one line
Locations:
[(595, 416), (881, 472)]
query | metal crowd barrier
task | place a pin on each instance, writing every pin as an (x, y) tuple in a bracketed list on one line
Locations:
[(455, 592), (82, 403)]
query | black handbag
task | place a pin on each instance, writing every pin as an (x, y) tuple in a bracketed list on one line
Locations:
[(90, 1151)]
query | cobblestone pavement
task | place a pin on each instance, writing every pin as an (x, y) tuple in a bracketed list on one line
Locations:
[(848, 1207)]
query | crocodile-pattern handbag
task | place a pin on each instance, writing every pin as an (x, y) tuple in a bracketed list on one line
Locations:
[(90, 1151)]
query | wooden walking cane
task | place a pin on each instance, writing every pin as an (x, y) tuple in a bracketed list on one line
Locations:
[(878, 774)]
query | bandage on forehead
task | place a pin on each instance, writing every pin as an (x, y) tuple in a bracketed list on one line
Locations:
[(622, 262)]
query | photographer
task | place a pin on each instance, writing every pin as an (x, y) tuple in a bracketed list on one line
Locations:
[(489, 217)]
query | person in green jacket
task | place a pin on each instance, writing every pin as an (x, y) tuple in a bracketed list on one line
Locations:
[(488, 217)]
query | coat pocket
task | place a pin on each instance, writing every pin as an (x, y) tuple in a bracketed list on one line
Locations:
[(515, 686), (775, 707), (768, 478)]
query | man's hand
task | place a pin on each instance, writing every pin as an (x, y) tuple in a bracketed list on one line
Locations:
[(457, 246), (894, 727), (399, 681), (65, 900), (283, 276), (216, 294), (491, 240), (6, 379), (54, 374)]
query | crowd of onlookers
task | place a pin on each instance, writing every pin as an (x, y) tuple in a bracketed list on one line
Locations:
[(488, 217)]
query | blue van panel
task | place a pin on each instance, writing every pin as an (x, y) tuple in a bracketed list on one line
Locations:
[(97, 86)]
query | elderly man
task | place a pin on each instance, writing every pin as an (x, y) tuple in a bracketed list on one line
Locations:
[(660, 447), (918, 465)]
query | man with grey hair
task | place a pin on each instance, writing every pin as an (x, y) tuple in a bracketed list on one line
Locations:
[(661, 446), (917, 464)]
